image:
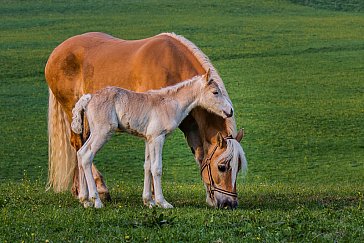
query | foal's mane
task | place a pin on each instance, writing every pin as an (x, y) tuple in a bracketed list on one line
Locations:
[(206, 64), (176, 87)]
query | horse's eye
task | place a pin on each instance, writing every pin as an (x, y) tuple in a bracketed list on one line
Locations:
[(215, 93), (222, 168)]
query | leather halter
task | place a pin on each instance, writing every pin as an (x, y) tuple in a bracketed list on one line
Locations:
[(211, 185)]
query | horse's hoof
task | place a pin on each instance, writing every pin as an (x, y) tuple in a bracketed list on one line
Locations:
[(74, 192), (105, 196)]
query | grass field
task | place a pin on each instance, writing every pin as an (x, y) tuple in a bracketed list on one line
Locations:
[(295, 73)]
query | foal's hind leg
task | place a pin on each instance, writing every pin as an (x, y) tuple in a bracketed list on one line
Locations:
[(99, 179), (86, 154), (76, 142)]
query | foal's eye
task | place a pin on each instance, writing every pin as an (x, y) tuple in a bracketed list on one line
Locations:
[(215, 92), (222, 168)]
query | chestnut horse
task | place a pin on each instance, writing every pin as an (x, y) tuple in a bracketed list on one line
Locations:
[(91, 61)]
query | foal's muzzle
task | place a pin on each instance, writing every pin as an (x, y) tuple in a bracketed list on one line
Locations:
[(228, 115)]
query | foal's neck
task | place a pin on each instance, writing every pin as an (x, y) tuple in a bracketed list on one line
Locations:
[(187, 95)]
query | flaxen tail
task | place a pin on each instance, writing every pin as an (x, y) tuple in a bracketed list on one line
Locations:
[(81, 104), (62, 159)]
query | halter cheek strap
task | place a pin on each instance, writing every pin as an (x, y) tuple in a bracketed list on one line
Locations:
[(211, 187)]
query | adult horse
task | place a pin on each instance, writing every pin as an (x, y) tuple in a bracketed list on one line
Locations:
[(89, 62)]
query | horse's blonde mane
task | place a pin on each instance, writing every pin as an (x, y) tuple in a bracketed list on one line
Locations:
[(234, 151), (206, 64)]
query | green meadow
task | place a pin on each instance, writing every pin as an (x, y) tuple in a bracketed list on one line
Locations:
[(295, 73)]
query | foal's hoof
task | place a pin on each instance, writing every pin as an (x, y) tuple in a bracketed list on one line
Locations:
[(98, 203), (149, 203), (87, 204), (164, 204), (105, 196)]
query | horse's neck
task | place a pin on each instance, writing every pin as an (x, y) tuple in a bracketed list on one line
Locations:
[(209, 125)]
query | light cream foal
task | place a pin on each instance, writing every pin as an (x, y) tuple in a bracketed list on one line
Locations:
[(151, 115)]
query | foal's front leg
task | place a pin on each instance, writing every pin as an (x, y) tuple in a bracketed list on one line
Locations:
[(155, 147), (147, 192)]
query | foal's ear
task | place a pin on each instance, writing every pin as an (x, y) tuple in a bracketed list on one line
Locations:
[(220, 140), (240, 135), (208, 75)]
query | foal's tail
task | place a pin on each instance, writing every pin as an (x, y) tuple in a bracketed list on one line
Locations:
[(81, 104)]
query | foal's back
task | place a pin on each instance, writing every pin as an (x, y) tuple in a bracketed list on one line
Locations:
[(125, 110)]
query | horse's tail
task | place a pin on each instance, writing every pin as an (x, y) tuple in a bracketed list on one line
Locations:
[(81, 104), (61, 155)]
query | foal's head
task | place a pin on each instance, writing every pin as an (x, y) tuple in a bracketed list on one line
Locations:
[(212, 99), (220, 168)]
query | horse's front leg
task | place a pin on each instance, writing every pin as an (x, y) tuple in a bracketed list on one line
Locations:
[(155, 147), (148, 184), (190, 129)]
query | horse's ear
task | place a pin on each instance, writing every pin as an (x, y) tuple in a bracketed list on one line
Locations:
[(220, 140), (240, 135), (208, 75)]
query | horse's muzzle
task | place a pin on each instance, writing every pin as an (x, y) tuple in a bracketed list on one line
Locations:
[(227, 203)]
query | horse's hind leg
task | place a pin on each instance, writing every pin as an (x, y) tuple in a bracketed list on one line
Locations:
[(76, 142), (100, 184)]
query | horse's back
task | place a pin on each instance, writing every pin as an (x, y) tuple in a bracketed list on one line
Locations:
[(89, 62)]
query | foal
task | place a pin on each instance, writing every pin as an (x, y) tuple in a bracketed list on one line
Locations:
[(150, 115)]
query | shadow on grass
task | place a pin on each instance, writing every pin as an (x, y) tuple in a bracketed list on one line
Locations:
[(290, 201), (253, 197)]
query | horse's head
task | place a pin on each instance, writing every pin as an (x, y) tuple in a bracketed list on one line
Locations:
[(220, 168), (213, 99)]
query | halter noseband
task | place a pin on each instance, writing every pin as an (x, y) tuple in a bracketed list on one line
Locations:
[(211, 185)]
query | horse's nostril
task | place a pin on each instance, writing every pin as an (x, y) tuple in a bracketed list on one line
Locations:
[(231, 112), (234, 204)]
